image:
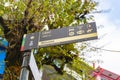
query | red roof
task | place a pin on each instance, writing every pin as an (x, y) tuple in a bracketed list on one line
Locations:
[(105, 74)]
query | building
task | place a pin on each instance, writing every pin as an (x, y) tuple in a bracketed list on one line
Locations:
[(103, 74)]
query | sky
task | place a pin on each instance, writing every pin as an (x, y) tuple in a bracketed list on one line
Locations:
[(109, 34)]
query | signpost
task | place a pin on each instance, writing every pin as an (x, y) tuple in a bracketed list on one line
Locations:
[(53, 37), (60, 36)]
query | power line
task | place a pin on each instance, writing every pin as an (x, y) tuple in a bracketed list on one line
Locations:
[(106, 49)]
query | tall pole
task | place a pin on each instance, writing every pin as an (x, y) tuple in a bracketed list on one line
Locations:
[(24, 75)]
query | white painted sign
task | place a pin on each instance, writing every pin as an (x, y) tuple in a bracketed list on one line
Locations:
[(34, 68)]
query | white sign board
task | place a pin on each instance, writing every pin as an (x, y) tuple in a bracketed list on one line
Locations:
[(34, 68)]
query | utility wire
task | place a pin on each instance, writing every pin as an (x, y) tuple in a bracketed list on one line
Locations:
[(105, 49)]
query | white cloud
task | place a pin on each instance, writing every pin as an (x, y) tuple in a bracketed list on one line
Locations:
[(112, 29)]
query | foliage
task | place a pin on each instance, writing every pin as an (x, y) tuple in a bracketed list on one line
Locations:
[(20, 17), (82, 68), (51, 73), (1, 31)]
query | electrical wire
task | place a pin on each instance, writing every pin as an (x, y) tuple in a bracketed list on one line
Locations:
[(106, 49)]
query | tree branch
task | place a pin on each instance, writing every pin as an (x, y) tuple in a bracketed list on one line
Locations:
[(26, 13), (28, 6), (6, 29)]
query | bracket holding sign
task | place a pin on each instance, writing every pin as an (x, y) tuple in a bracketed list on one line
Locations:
[(83, 32)]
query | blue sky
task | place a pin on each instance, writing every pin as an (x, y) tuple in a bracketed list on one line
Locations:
[(114, 5), (111, 29)]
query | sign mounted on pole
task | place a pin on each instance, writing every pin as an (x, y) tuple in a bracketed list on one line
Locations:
[(33, 67), (83, 32)]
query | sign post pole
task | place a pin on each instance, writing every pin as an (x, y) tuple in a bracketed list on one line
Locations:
[(24, 75), (29, 67), (54, 37)]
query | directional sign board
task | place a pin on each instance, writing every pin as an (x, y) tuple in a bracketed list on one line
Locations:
[(83, 32), (34, 68)]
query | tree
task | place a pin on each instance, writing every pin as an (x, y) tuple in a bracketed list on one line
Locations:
[(19, 17)]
